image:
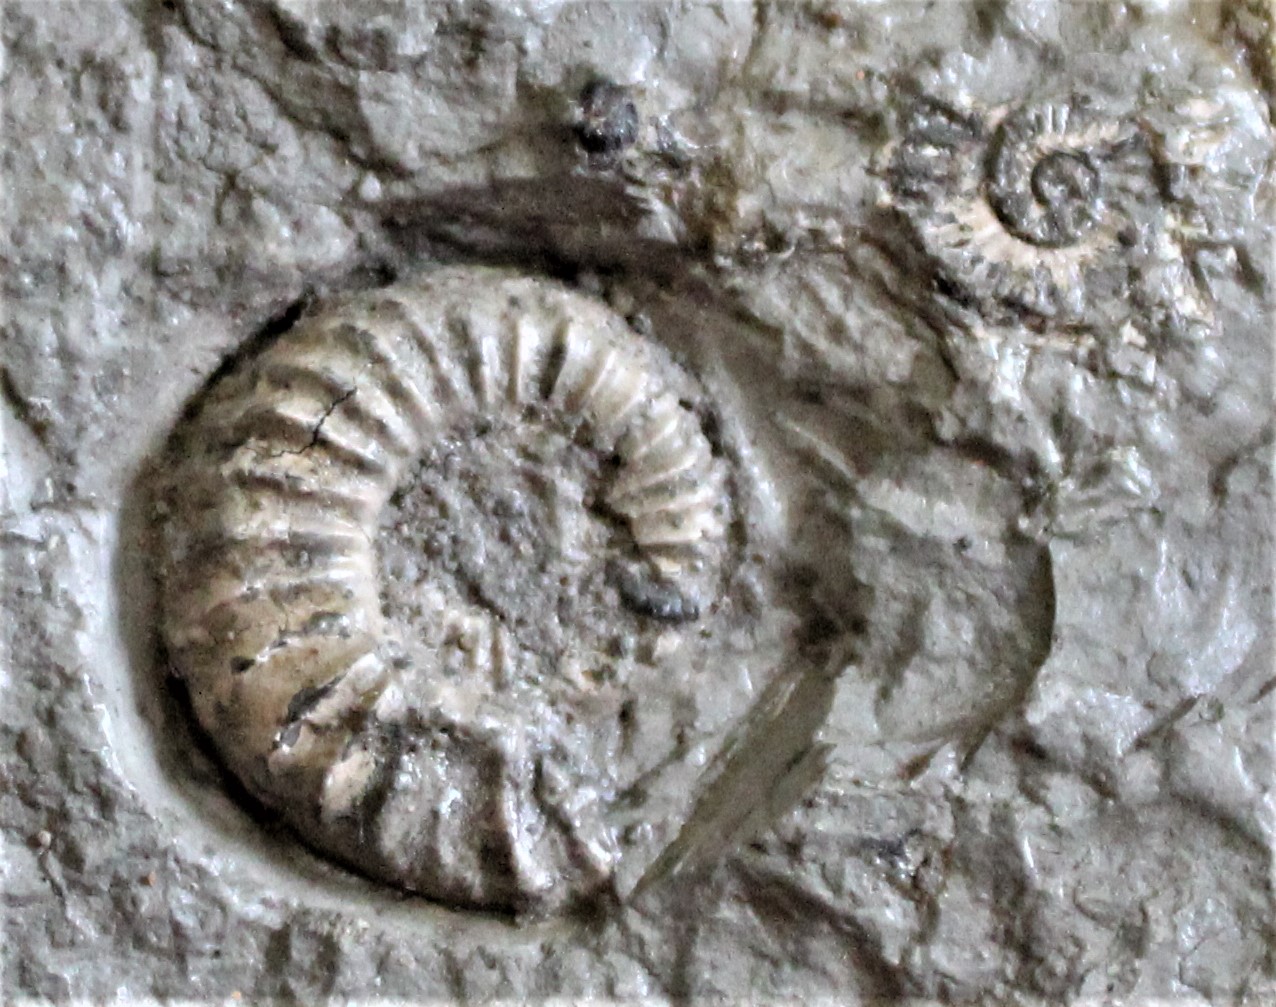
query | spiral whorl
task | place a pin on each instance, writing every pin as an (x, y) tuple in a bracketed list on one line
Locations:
[(428, 763)]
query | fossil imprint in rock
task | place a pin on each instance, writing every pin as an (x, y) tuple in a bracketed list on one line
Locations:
[(419, 707), (1041, 208)]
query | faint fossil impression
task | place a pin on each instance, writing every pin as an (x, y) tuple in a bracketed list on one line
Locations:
[(454, 749), (1050, 212)]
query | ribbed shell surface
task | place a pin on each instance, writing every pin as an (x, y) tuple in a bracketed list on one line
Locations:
[(271, 607), (1025, 208)]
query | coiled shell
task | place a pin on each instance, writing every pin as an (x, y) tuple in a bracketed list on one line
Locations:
[(1043, 179), (464, 782), (1036, 210)]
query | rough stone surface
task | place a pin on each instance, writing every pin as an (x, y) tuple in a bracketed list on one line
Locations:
[(1034, 761)]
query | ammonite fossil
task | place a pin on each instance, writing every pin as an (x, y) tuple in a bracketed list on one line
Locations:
[(1040, 209), (428, 710)]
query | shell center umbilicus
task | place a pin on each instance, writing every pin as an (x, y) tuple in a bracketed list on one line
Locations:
[(1065, 182), (495, 551)]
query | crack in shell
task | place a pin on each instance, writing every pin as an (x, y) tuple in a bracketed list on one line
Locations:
[(270, 603)]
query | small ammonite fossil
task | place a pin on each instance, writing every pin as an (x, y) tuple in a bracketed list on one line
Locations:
[(1040, 209), (461, 764)]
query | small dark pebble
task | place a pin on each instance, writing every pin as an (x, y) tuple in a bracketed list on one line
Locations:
[(608, 118), (652, 598)]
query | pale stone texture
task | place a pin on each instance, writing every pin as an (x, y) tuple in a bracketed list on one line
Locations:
[(1038, 767)]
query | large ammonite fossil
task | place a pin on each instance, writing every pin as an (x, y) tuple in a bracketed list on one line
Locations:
[(1038, 209), (396, 544)]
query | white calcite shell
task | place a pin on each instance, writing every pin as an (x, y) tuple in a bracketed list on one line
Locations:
[(272, 611)]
